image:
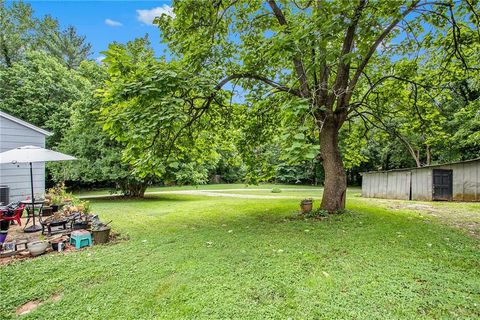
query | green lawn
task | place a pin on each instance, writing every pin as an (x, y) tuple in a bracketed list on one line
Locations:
[(205, 257)]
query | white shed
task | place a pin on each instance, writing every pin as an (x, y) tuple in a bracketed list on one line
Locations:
[(16, 133), (457, 181)]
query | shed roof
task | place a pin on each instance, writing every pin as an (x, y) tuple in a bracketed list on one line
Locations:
[(424, 167), (25, 124)]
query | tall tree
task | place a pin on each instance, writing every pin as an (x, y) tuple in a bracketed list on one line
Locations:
[(20, 32), (142, 110), (40, 90), (66, 45), (16, 27), (323, 54), (99, 158)]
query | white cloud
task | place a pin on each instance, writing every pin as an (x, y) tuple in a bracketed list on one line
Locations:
[(146, 16), (99, 59), (113, 23)]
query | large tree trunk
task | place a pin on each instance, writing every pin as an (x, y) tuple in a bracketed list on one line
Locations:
[(133, 189), (335, 186)]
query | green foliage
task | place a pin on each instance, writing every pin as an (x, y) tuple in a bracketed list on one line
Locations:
[(98, 157), (276, 190), (316, 214), (58, 195), (166, 134), (249, 38), (415, 103), (16, 26), (21, 31), (42, 91), (66, 45)]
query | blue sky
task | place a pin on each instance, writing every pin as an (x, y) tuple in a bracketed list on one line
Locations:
[(103, 22)]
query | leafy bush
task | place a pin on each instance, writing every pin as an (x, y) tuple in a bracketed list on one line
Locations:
[(276, 190), (317, 213)]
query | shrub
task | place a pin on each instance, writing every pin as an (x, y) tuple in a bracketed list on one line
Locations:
[(317, 213), (276, 190)]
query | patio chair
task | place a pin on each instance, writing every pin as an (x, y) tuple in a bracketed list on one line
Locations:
[(14, 214)]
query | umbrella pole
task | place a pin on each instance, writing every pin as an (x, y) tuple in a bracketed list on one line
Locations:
[(33, 194), (33, 227)]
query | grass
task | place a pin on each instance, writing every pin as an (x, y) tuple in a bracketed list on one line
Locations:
[(192, 256)]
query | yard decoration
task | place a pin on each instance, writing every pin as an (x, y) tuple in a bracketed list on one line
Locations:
[(306, 205), (37, 248)]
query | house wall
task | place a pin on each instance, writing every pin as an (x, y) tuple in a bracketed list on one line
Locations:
[(17, 177)]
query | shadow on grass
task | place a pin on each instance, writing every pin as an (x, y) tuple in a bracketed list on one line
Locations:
[(147, 198)]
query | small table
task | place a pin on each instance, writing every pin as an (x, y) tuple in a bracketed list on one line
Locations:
[(30, 208), (62, 222)]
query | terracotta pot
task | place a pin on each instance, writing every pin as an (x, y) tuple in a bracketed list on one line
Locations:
[(306, 206)]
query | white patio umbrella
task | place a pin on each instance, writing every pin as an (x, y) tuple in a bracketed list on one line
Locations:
[(31, 154)]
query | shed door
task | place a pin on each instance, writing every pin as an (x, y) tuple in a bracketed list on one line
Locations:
[(442, 184)]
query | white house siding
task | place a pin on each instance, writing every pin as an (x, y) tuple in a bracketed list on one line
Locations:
[(17, 177)]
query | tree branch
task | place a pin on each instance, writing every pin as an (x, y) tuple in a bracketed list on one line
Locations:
[(374, 47), (297, 61), (248, 75), (343, 70)]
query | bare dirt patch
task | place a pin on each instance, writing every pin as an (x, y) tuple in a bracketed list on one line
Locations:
[(28, 307), (465, 216), (32, 305)]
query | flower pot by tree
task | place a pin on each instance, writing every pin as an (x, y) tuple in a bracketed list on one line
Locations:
[(306, 205)]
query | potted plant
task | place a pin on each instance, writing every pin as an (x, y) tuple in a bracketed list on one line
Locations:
[(4, 226), (58, 196), (54, 200), (306, 205)]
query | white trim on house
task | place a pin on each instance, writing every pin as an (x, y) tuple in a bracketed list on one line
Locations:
[(25, 124)]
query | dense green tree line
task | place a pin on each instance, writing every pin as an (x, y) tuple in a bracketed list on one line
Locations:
[(329, 89)]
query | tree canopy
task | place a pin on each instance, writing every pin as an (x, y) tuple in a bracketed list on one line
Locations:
[(307, 68)]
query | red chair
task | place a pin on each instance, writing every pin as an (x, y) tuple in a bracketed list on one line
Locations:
[(17, 215)]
